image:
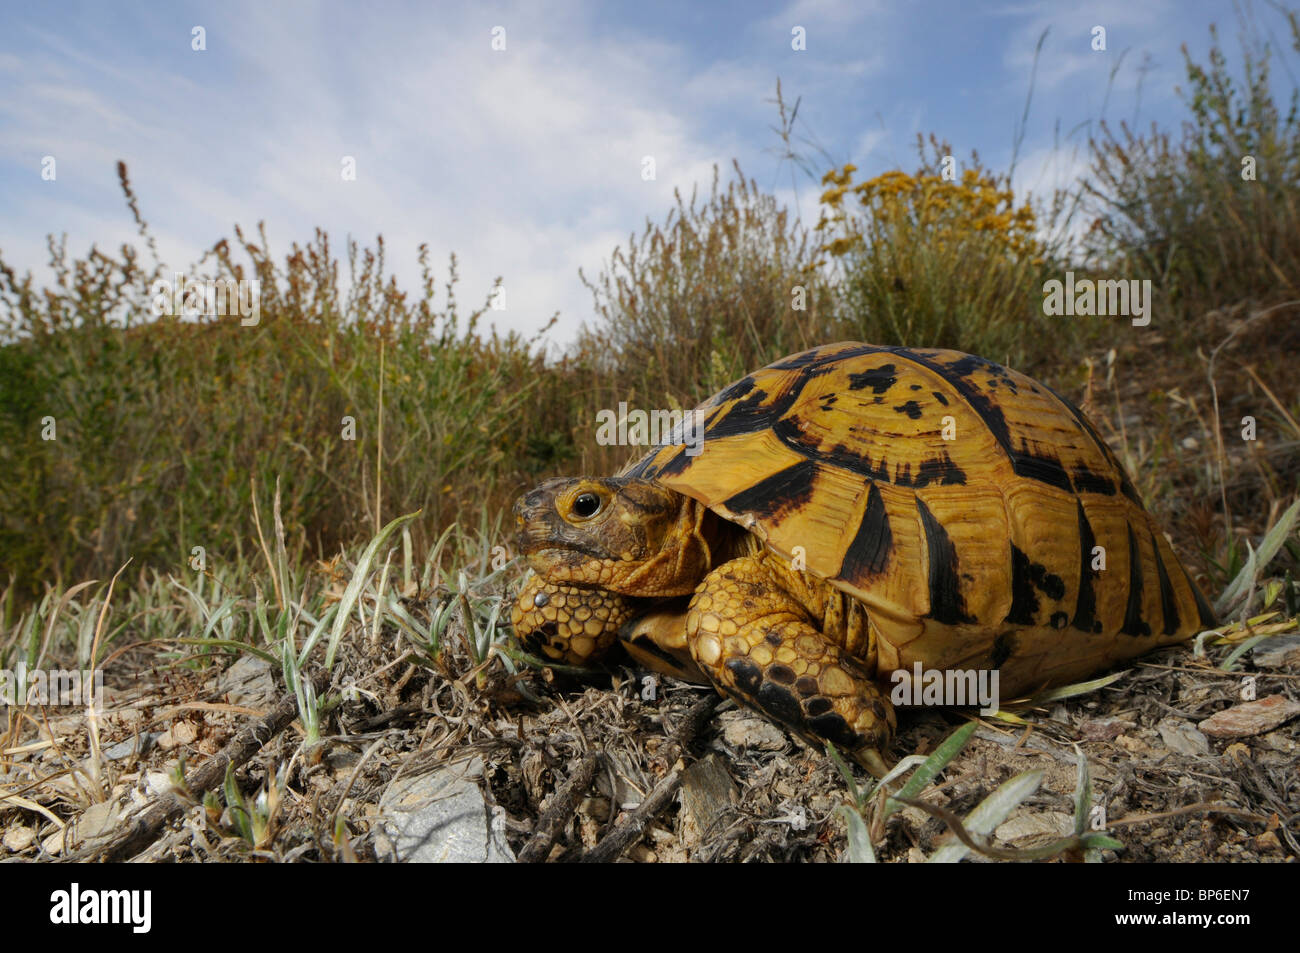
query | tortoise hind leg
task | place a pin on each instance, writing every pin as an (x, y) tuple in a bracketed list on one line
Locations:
[(756, 643)]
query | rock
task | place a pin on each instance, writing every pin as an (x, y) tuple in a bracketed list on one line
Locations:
[(135, 745), (1103, 729), (53, 845), (743, 730), (95, 821), (1183, 737), (248, 683), (1251, 718), (18, 839), (158, 783), (1237, 752), (1280, 742), (707, 795), (1280, 651), (1033, 830), (440, 817), (181, 733), (1267, 842), (1133, 745)]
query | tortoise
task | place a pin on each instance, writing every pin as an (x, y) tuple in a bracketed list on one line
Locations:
[(856, 511)]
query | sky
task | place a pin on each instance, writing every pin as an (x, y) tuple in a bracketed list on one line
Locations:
[(527, 161)]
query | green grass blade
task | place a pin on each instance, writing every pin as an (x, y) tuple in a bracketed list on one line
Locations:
[(936, 761), (989, 813), (860, 851), (353, 591)]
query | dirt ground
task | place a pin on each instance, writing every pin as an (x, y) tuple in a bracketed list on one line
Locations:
[(749, 790)]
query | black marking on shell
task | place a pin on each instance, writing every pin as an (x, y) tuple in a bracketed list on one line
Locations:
[(1085, 481), (1024, 600), (1041, 467), (940, 397), (1134, 624), (911, 408), (968, 364), (798, 361), (946, 602), (779, 703), (1085, 607), (1203, 608), (1004, 646), (806, 685), (941, 470), (820, 356), (1125, 485), (1059, 620), (782, 492), (735, 391), (749, 415), (868, 554), (879, 379), (789, 433), (1025, 463), (1168, 601), (747, 676), (679, 462)]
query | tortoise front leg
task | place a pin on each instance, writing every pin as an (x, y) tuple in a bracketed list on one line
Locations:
[(578, 626), (756, 642), (568, 624)]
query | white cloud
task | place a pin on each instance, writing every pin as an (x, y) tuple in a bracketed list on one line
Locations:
[(527, 163)]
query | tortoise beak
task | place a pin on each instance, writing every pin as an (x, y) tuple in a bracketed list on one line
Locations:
[(535, 519)]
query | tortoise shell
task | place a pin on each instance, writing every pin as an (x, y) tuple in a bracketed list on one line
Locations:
[(975, 513)]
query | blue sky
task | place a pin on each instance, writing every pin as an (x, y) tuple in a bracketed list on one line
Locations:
[(527, 162)]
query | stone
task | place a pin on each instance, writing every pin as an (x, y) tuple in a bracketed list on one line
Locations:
[(440, 817), (18, 838), (743, 730), (95, 821), (707, 796), (181, 733), (1034, 830), (248, 683), (1251, 718), (1279, 651), (135, 745), (1183, 737)]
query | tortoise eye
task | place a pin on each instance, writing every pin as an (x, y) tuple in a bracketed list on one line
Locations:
[(586, 505)]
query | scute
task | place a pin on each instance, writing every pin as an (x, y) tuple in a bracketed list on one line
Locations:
[(961, 502)]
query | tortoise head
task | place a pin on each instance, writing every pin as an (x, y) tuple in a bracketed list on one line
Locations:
[(623, 535)]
